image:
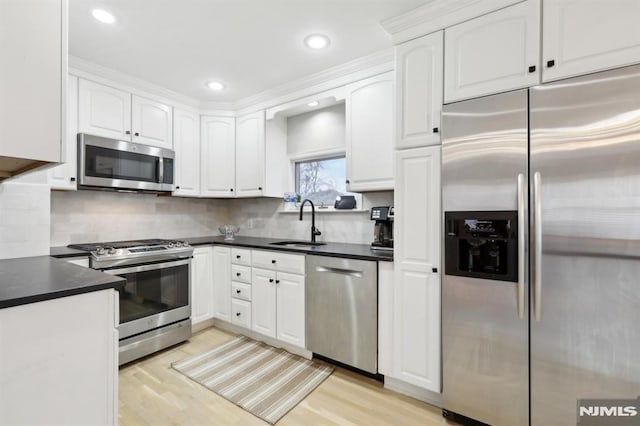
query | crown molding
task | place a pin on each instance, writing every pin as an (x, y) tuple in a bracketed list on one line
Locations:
[(108, 76), (331, 78), (437, 15)]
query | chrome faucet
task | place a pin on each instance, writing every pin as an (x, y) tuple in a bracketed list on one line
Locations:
[(314, 231)]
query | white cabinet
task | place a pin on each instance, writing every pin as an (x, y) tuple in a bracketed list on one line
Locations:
[(218, 157), (202, 280), (104, 111), (582, 36), (222, 283), (369, 133), (33, 36), (186, 142), (419, 82), (494, 53), (151, 122), (64, 176), (263, 315), (250, 153), (113, 113), (416, 321), (290, 313), (60, 361)]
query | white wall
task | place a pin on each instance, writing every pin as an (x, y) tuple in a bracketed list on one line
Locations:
[(24, 216), (319, 130)]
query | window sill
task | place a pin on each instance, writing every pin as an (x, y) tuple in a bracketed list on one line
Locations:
[(326, 210)]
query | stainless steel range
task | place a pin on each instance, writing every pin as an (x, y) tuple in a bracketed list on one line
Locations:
[(155, 306)]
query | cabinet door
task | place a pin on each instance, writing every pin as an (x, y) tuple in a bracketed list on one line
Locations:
[(186, 143), (151, 122), (419, 84), (263, 304), (202, 284), (494, 53), (222, 283), (250, 146), (582, 36), (218, 157), (63, 177), (290, 305), (369, 133), (417, 255), (104, 111)]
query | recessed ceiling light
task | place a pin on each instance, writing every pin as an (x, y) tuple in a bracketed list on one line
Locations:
[(313, 104), (215, 85), (316, 41), (103, 16)]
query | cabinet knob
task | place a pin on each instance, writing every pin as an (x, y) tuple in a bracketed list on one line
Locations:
[(237, 314), (346, 181), (273, 261), (551, 63), (72, 179), (237, 274), (259, 188), (277, 281), (237, 256), (434, 270), (270, 280), (436, 130), (238, 291), (231, 190), (128, 132), (532, 68), (177, 187), (136, 134)]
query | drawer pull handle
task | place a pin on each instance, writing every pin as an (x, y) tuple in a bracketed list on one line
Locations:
[(238, 256), (273, 261), (270, 280), (238, 291), (237, 274), (277, 281), (237, 314)]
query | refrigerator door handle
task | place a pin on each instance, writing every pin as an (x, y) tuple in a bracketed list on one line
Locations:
[(537, 247), (521, 245)]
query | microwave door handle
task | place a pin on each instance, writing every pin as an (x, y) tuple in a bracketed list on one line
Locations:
[(160, 169)]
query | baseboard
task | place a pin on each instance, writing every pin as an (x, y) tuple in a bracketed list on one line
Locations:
[(223, 325), (201, 325), (413, 391)]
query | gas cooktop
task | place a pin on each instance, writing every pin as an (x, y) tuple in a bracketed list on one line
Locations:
[(120, 253)]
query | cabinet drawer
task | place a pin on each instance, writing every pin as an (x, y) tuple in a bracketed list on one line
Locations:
[(241, 256), (241, 291), (241, 313), (241, 273), (278, 261)]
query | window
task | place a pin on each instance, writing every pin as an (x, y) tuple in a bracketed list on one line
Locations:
[(321, 181)]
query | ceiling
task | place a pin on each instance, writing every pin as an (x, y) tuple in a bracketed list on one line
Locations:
[(249, 45)]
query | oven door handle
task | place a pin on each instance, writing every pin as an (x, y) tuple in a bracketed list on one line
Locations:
[(142, 268)]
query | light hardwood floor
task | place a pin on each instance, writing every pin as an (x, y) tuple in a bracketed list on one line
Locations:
[(152, 393)]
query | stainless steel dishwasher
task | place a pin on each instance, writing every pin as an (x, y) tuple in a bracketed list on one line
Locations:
[(342, 310)]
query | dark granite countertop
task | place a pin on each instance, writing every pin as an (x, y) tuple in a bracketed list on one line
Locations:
[(36, 279), (347, 250)]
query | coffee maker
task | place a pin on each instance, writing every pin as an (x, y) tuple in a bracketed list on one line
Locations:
[(383, 228)]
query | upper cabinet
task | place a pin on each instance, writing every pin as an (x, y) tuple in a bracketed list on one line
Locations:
[(64, 176), (250, 153), (151, 122), (104, 111), (32, 83), (419, 91), (493, 53), (369, 133), (186, 142), (218, 157), (112, 113), (582, 36)]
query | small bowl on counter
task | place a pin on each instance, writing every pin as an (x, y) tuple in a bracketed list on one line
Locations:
[(229, 231)]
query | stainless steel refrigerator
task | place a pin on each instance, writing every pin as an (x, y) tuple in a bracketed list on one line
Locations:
[(541, 290)]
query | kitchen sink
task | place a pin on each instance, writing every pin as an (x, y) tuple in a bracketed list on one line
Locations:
[(292, 243)]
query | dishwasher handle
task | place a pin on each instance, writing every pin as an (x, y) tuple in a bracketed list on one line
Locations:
[(341, 271)]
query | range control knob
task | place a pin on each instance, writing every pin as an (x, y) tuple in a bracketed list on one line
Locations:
[(112, 251), (100, 250), (171, 245)]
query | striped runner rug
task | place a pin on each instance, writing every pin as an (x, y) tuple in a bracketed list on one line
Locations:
[(265, 381)]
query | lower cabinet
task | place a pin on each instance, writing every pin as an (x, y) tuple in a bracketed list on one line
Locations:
[(202, 287), (241, 313), (264, 306), (290, 315), (222, 283)]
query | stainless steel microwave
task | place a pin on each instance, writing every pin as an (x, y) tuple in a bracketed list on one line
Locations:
[(105, 163)]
